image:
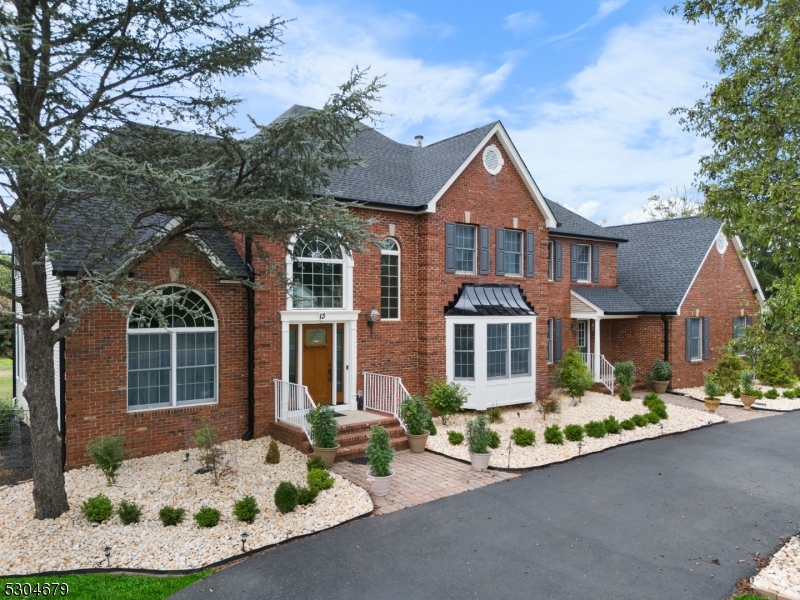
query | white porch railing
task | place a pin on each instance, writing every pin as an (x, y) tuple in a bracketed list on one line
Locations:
[(384, 393), (292, 404), (606, 374)]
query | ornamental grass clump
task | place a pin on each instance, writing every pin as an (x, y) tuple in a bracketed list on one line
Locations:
[(206, 517), (319, 480), (315, 462), (494, 439), (574, 433), (129, 513), (553, 435), (246, 509), (379, 452), (107, 454), (324, 427), (455, 437), (273, 453), (446, 398), (612, 425), (415, 415), (286, 497), (97, 509), (523, 437), (574, 376), (624, 373), (595, 429), (478, 436), (171, 516), (494, 415)]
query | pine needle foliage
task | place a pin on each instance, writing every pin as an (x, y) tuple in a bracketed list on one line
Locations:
[(273, 453), (379, 452)]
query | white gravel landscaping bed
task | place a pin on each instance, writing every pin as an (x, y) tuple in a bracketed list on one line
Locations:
[(779, 404), (594, 407), (782, 575), (71, 542)]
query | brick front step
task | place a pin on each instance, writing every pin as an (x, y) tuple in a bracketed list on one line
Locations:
[(352, 438)]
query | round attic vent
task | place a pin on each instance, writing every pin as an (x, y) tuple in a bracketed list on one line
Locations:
[(492, 159), (722, 243)]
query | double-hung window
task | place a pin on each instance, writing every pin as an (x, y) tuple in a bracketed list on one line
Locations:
[(513, 252), (583, 261), (390, 279), (739, 326), (464, 351), (172, 351), (694, 343), (465, 249), (550, 338), (551, 261), (508, 350)]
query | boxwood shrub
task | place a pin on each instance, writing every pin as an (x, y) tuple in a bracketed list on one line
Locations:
[(553, 435), (171, 516), (319, 480), (455, 437), (206, 517), (97, 509), (627, 424), (524, 437), (494, 440), (286, 496), (306, 495), (653, 418), (129, 513), (574, 433), (640, 420), (595, 429), (246, 509), (612, 425)]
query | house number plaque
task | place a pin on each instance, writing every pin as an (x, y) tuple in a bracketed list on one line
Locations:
[(321, 316)]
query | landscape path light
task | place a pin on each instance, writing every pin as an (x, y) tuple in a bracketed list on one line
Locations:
[(244, 539), (107, 552)]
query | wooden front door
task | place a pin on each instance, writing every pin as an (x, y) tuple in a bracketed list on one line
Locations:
[(318, 362)]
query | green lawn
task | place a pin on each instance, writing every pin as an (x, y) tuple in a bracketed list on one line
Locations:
[(6, 386), (102, 587)]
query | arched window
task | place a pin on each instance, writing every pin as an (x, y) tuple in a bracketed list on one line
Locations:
[(172, 351), (317, 274), (390, 279)]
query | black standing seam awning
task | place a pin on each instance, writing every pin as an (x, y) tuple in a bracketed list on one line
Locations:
[(491, 300)]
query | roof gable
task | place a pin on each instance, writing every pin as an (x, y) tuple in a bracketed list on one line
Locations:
[(571, 224)]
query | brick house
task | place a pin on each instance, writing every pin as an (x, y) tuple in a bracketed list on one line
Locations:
[(479, 279)]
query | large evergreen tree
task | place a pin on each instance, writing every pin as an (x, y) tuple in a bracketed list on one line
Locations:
[(79, 180)]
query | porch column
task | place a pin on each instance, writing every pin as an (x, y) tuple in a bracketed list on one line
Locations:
[(596, 349)]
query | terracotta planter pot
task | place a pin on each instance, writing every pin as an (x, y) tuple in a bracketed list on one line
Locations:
[(379, 486), (748, 401), (480, 462), (711, 404), (417, 442), (660, 387), (328, 455)]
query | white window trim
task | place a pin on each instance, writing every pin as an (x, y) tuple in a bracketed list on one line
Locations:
[(399, 278), (173, 362), (347, 280), (521, 254), (474, 229), (508, 374), (551, 261), (550, 341), (589, 267), (19, 354), (699, 339), (484, 392), (474, 366)]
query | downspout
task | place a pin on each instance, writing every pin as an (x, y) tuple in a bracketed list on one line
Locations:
[(251, 407), (666, 337), (62, 389)]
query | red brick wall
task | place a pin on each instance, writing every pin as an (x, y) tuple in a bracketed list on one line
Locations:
[(96, 370)]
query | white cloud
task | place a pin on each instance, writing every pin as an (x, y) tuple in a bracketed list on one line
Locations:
[(522, 22), (610, 139), (586, 210), (605, 8)]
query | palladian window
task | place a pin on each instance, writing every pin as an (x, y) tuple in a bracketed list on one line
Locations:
[(317, 275), (172, 351)]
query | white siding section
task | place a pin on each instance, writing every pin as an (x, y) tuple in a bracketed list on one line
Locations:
[(579, 306), (53, 299), (19, 354)]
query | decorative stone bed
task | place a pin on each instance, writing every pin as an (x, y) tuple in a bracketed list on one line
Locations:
[(779, 404), (594, 407), (71, 542), (781, 577)]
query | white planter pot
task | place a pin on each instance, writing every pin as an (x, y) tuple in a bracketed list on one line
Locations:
[(480, 462), (379, 486)]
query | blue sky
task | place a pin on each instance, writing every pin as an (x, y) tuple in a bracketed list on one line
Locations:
[(583, 87)]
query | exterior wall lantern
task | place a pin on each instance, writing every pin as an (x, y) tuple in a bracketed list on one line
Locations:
[(373, 317)]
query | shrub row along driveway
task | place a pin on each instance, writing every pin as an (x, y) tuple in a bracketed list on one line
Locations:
[(650, 520)]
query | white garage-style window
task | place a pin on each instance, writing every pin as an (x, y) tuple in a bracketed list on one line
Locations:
[(172, 351)]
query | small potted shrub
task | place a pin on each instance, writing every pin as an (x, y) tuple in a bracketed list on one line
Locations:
[(713, 392), (478, 440), (624, 373), (416, 417), (324, 430), (380, 454), (660, 375)]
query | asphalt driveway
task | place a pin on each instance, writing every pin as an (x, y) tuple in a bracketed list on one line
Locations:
[(677, 517)]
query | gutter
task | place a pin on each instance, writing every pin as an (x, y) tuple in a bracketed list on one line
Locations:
[(556, 233), (251, 408)]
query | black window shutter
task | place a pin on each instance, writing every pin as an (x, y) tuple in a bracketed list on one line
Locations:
[(449, 247), (749, 321), (484, 250), (688, 351), (706, 339), (559, 270), (595, 263), (573, 262), (500, 254), (530, 251), (556, 340)]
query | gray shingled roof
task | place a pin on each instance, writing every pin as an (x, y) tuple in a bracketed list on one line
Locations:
[(574, 225), (398, 174), (657, 265), (612, 301)]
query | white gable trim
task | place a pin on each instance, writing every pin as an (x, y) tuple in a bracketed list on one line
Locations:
[(748, 269), (519, 165), (599, 312)]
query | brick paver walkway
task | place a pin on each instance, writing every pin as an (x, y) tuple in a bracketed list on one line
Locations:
[(420, 478)]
